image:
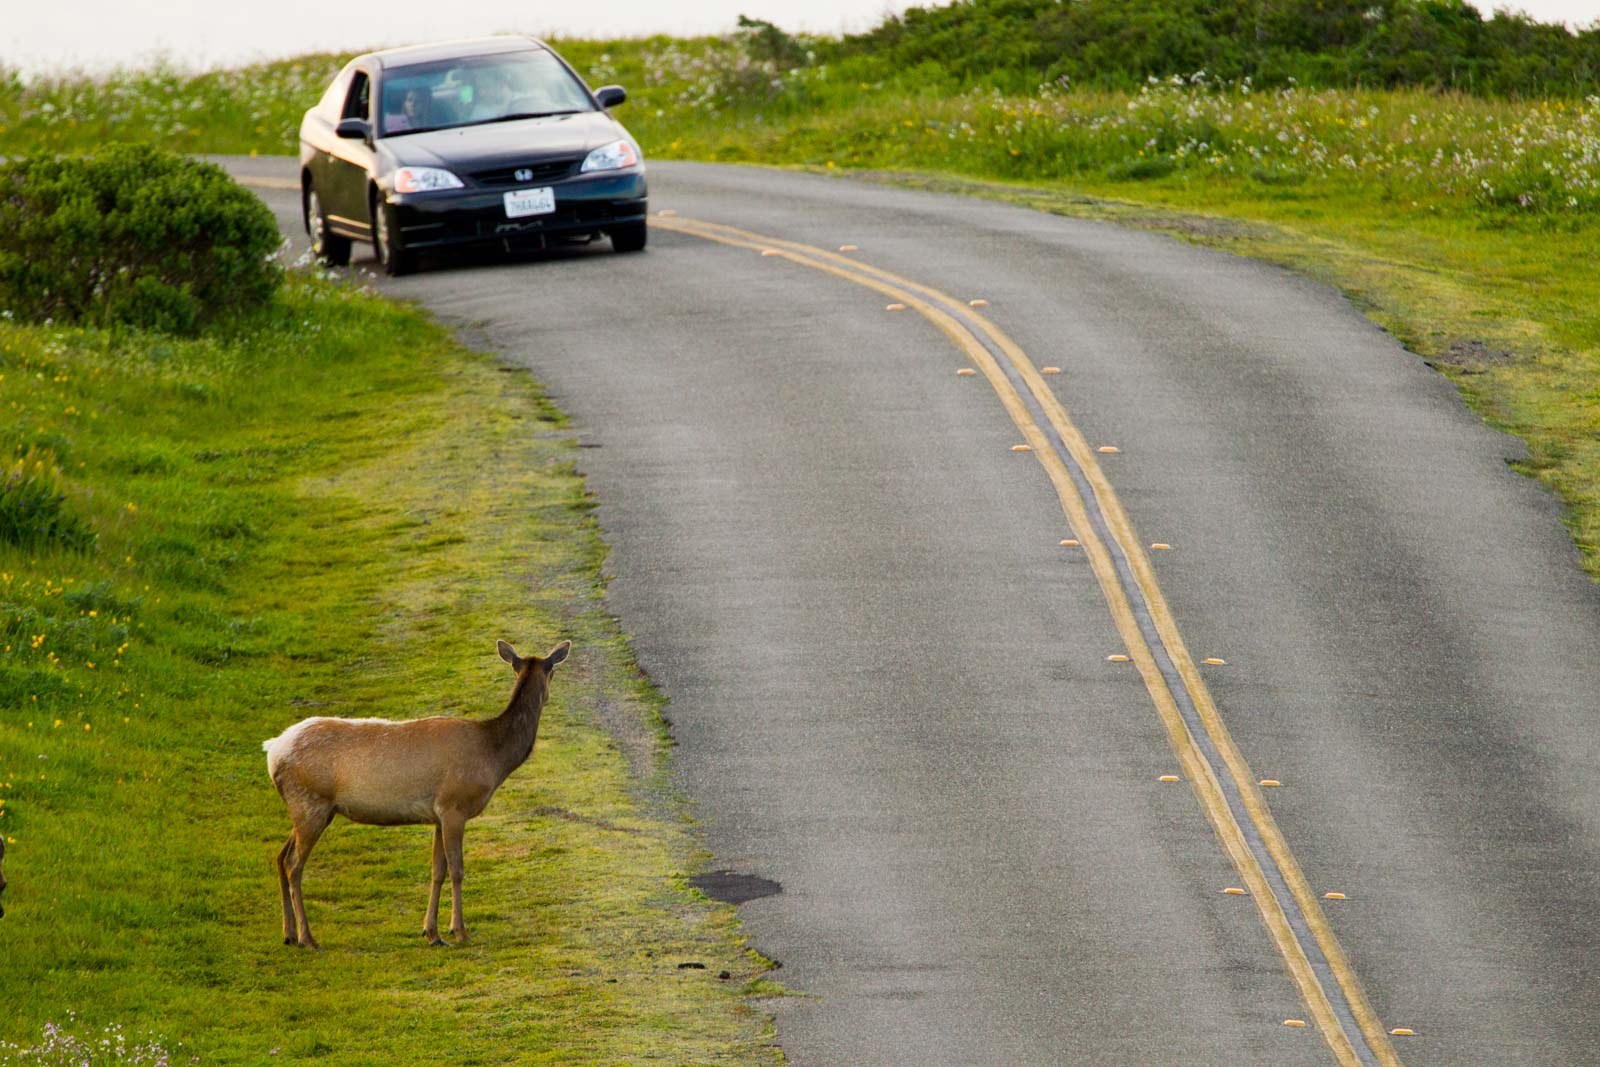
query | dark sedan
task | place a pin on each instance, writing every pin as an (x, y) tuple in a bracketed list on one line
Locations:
[(493, 141)]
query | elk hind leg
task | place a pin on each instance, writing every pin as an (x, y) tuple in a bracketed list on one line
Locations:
[(430, 921), (308, 827)]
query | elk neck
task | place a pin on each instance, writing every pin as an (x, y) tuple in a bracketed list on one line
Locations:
[(512, 732)]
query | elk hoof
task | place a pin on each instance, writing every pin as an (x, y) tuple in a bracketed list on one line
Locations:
[(435, 941), (288, 939)]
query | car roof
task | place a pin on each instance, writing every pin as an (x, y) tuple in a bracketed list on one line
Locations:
[(471, 46)]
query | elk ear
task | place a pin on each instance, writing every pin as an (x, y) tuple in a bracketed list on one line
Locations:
[(509, 654), (556, 655)]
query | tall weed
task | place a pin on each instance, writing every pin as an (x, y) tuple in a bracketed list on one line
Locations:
[(33, 511)]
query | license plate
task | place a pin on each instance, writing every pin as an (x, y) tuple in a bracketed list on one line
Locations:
[(530, 202)]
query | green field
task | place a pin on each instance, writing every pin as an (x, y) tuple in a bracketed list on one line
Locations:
[(331, 508)]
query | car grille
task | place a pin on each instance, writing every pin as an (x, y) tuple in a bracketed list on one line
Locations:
[(545, 170)]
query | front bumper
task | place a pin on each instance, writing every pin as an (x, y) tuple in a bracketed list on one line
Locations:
[(591, 203)]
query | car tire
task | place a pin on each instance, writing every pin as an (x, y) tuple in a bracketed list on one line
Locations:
[(630, 238), (395, 258), (328, 247)]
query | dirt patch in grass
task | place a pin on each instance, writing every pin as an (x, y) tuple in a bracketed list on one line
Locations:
[(1473, 354)]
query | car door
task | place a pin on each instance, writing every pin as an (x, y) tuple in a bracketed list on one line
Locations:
[(350, 162)]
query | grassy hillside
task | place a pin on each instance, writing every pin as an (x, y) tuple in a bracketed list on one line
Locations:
[(330, 508), (1015, 45)]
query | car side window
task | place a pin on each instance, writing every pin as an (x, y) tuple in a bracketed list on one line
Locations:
[(333, 98), (357, 103)]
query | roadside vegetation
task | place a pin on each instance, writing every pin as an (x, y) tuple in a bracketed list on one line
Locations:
[(134, 236), (323, 506)]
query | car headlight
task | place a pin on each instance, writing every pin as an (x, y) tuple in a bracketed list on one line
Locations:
[(424, 180), (613, 156)]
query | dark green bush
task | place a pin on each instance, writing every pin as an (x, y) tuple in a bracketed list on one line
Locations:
[(1016, 45), (1142, 169), (132, 235)]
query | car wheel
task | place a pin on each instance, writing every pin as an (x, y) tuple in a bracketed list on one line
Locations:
[(329, 248), (396, 260), (630, 238)]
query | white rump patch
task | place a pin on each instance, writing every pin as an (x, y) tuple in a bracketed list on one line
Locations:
[(285, 743)]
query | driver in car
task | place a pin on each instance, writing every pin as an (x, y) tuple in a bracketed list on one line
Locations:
[(492, 97)]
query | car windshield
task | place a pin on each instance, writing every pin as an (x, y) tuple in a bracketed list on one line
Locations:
[(475, 89)]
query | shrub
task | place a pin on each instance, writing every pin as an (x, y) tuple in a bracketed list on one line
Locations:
[(1440, 44), (31, 512), (1142, 169), (132, 235)]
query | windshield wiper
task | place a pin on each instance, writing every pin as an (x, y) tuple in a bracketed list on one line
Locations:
[(533, 115)]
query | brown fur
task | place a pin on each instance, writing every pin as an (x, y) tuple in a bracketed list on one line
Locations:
[(439, 771)]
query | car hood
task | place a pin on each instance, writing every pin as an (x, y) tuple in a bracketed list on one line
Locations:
[(495, 144)]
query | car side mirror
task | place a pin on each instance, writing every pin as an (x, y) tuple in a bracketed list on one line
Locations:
[(353, 130), (610, 95)]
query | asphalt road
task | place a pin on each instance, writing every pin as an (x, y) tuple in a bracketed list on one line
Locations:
[(888, 679)]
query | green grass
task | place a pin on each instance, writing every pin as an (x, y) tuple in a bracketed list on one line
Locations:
[(331, 509), (255, 108)]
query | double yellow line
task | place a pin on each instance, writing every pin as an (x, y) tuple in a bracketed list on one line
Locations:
[(1210, 761)]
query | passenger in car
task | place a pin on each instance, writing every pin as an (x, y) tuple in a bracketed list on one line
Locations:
[(415, 112)]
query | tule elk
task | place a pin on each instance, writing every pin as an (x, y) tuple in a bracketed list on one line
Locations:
[(440, 771)]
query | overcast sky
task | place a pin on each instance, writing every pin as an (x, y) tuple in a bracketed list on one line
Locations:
[(37, 35)]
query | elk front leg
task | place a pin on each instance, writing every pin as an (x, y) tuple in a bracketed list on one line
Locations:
[(452, 828), (430, 922)]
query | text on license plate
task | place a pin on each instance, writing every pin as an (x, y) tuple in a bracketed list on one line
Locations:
[(522, 202)]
